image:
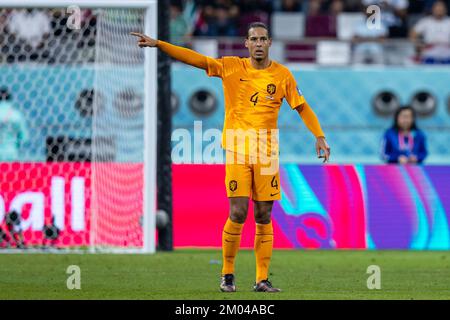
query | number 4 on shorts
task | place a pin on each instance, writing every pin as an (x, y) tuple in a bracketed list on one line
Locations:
[(274, 182)]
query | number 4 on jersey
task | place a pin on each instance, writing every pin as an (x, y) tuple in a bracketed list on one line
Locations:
[(254, 98)]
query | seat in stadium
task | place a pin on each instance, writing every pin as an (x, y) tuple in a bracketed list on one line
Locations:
[(300, 52), (347, 23), (333, 53), (288, 25), (321, 26)]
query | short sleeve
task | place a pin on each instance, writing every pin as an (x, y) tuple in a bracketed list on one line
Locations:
[(293, 94), (215, 67)]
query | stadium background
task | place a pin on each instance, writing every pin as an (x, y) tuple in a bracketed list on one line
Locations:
[(355, 202)]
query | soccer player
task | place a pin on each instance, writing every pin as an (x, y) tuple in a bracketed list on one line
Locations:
[(254, 89)]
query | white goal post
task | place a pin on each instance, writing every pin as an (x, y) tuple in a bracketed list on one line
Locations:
[(149, 85)]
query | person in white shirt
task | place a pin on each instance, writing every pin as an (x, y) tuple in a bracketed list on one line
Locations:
[(432, 35), (30, 25)]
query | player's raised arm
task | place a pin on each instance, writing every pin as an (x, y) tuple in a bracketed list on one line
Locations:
[(312, 123), (184, 55)]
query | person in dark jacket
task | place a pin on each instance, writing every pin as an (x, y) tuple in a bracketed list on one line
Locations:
[(404, 142)]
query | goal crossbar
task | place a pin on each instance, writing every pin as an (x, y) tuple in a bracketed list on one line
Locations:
[(132, 4)]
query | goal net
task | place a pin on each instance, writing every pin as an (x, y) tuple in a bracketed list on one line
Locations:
[(77, 126)]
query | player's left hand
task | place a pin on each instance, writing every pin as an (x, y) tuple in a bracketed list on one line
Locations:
[(412, 159), (322, 146)]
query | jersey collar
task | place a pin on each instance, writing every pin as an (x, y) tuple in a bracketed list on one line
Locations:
[(269, 68)]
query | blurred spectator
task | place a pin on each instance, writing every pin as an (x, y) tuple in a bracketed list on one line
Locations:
[(218, 19), (178, 26), (191, 14), (288, 5), (393, 15), (404, 142), (418, 6), (353, 5), (30, 25), (252, 6), (223, 24), (435, 34), (13, 129), (231, 6), (319, 23), (315, 7), (336, 7), (428, 5), (253, 10), (368, 48)]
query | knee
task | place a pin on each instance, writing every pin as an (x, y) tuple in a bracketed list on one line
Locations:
[(238, 213), (262, 216)]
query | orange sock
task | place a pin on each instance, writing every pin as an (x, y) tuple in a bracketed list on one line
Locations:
[(263, 250), (231, 239)]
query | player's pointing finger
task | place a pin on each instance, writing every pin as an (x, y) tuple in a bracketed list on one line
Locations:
[(137, 34)]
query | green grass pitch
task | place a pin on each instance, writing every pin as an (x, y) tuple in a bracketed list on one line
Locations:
[(194, 274)]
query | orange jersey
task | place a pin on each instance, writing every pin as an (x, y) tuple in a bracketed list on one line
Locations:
[(253, 98)]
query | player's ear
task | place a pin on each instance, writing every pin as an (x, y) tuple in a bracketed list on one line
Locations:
[(246, 42), (270, 42)]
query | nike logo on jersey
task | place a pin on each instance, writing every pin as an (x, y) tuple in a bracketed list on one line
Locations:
[(243, 79), (274, 194)]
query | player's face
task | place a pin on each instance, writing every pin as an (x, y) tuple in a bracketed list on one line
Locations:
[(405, 120), (258, 43)]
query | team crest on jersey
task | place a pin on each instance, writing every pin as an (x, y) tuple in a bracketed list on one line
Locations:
[(271, 88), (233, 185)]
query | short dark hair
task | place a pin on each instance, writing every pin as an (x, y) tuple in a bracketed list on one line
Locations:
[(258, 25), (400, 110)]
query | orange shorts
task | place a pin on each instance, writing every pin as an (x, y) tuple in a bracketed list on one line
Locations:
[(247, 178)]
